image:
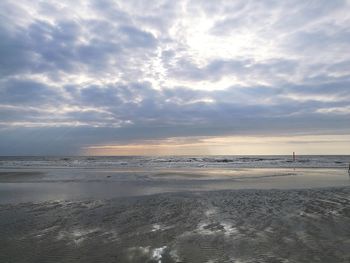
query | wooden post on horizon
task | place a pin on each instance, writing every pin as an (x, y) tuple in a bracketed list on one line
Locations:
[(293, 156)]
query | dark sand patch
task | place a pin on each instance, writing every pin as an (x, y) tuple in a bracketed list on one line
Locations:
[(178, 175), (220, 226), (20, 176)]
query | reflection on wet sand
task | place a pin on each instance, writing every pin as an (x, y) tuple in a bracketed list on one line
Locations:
[(71, 184), (218, 226)]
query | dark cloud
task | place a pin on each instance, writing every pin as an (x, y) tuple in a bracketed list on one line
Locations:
[(20, 92), (134, 37), (14, 52)]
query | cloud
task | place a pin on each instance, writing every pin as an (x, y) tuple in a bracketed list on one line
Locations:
[(93, 72)]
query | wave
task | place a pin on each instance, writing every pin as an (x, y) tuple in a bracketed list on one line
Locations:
[(175, 162)]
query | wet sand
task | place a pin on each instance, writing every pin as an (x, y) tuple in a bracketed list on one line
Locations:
[(174, 216), (219, 226)]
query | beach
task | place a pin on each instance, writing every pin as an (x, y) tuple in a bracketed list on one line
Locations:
[(167, 214), (174, 131)]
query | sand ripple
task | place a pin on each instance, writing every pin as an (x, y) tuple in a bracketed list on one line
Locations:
[(222, 226)]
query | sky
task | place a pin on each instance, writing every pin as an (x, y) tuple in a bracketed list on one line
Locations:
[(105, 77)]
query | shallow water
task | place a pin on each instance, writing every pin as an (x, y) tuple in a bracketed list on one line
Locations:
[(47, 184)]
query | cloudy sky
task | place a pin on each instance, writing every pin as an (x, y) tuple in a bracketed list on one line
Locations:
[(174, 77)]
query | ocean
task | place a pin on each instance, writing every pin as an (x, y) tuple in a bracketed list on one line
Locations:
[(248, 161)]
